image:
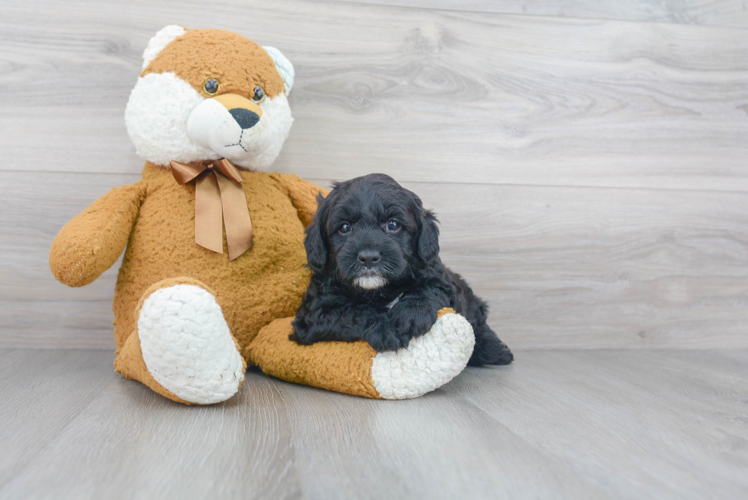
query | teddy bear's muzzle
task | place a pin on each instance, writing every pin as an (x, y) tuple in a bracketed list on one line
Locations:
[(228, 125), (245, 112)]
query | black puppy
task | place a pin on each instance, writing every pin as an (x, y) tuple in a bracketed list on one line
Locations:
[(377, 276)]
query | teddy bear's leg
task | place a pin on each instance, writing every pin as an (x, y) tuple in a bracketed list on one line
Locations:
[(429, 362), (182, 348)]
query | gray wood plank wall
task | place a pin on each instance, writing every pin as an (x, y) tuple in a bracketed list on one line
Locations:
[(701, 12), (587, 159)]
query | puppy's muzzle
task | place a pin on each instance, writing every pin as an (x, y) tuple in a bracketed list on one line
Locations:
[(369, 258), (371, 278), (246, 113)]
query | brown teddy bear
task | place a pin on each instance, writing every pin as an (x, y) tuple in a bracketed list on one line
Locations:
[(210, 112)]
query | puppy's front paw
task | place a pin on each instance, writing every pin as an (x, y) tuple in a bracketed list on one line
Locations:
[(387, 340), (412, 323), (303, 338), (301, 334)]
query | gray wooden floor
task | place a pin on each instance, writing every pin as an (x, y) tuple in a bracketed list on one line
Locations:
[(556, 424)]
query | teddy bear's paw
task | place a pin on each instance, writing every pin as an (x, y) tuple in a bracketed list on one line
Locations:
[(187, 346), (429, 361)]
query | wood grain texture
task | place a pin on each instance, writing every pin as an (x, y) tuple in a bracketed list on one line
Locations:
[(560, 267), (35, 309), (599, 268), (581, 425), (42, 392), (590, 174), (702, 12), (423, 94)]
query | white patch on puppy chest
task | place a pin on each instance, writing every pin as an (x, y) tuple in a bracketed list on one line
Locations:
[(369, 282), (429, 361), (187, 346)]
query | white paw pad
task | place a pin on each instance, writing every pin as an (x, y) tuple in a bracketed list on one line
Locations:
[(429, 361), (187, 346)]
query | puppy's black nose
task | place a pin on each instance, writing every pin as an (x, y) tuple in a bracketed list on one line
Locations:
[(368, 258), (244, 117)]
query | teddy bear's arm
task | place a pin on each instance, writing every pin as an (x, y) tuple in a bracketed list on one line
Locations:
[(303, 194), (92, 241)]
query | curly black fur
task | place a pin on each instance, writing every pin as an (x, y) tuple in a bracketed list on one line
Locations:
[(379, 280)]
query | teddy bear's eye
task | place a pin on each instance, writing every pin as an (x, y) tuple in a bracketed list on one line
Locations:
[(211, 86), (259, 95)]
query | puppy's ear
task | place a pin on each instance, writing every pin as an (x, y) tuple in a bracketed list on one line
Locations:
[(316, 240), (428, 237)]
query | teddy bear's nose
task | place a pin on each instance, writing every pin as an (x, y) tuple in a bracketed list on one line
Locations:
[(244, 117)]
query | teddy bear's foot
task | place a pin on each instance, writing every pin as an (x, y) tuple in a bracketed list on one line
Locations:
[(183, 348), (429, 362)]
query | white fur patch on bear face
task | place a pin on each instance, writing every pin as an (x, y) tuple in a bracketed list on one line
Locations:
[(156, 119), (167, 119)]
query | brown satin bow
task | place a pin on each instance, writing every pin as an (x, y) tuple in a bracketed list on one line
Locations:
[(218, 193)]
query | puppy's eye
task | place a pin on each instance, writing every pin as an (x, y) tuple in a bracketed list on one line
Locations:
[(345, 228), (393, 226), (259, 95), (211, 86)]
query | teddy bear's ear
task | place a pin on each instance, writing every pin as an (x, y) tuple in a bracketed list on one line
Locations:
[(163, 38), (284, 66)]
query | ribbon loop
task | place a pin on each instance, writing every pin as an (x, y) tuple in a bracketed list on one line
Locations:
[(219, 200), (229, 170)]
